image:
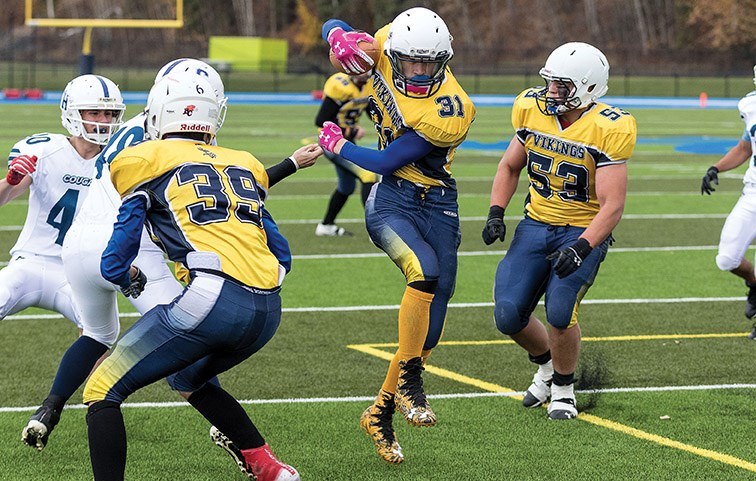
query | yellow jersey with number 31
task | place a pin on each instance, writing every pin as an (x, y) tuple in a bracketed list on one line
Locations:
[(562, 162), (202, 198), (442, 119)]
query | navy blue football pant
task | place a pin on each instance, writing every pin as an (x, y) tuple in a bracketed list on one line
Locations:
[(212, 326), (418, 227), (525, 275)]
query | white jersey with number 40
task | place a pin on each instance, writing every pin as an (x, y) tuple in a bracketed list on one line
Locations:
[(59, 186)]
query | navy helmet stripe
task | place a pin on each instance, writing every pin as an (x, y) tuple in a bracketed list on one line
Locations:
[(104, 85), (172, 66)]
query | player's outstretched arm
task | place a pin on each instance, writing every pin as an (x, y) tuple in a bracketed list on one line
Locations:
[(301, 159), (734, 158)]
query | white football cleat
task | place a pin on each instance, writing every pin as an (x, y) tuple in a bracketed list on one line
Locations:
[(540, 390), (331, 230), (562, 404)]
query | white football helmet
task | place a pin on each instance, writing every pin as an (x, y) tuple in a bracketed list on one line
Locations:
[(91, 92), (582, 72), (175, 106), (754, 74), (418, 35), (181, 68)]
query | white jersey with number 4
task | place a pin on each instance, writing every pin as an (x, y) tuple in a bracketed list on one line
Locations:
[(59, 186)]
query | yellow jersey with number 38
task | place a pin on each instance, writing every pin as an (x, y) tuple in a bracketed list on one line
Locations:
[(442, 119), (562, 162), (202, 198)]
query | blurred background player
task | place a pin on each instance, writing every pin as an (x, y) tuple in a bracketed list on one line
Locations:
[(343, 103), (57, 172), (739, 229), (575, 151), (205, 205), (422, 115), (82, 249)]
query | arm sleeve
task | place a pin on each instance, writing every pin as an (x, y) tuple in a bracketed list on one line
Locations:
[(280, 171), (329, 110), (408, 148), (123, 245), (277, 243), (334, 23), (746, 136)]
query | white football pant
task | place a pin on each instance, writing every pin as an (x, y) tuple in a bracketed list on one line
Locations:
[(96, 297), (739, 230), (30, 280)]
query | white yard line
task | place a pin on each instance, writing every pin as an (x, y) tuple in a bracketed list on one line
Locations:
[(389, 307), (346, 399)]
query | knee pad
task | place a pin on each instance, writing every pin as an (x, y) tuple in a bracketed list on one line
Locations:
[(508, 319), (727, 263)]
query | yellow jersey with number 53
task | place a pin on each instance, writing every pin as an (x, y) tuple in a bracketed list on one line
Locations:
[(202, 198), (442, 119), (562, 162)]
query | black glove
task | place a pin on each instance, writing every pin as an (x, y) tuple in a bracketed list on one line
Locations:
[(494, 228), (711, 176), (569, 259), (137, 284)]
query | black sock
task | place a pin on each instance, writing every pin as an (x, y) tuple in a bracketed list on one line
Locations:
[(225, 413), (563, 379), (107, 441), (75, 366), (540, 359), (334, 207)]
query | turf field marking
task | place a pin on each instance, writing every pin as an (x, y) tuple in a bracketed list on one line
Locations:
[(706, 453), (371, 349), (390, 307), (16, 228), (347, 399)]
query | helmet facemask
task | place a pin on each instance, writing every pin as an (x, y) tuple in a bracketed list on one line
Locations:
[(564, 101), (418, 85)]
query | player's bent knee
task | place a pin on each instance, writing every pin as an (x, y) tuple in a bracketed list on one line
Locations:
[(727, 263), (508, 319), (561, 321), (97, 406), (106, 338)]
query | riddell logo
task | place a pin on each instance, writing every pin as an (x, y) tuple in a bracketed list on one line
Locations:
[(189, 110), (195, 128)]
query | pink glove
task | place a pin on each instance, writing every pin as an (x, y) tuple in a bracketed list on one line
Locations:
[(20, 167), (329, 136), (344, 47)]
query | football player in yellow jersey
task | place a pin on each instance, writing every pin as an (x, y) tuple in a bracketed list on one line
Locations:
[(343, 104), (205, 205), (421, 115), (575, 150)]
